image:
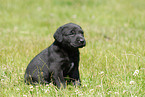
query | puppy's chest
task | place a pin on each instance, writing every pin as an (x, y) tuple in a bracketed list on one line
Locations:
[(68, 65), (70, 61)]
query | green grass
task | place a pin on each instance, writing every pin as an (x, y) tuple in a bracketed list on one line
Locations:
[(115, 34)]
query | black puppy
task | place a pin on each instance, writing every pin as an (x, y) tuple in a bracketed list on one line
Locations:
[(60, 60)]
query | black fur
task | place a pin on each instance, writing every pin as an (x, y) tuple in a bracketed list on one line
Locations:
[(59, 60)]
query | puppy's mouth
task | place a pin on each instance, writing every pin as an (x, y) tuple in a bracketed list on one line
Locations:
[(78, 45)]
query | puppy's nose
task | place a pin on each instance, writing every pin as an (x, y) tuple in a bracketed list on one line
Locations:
[(82, 41)]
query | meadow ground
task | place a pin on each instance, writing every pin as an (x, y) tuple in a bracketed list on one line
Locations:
[(112, 63)]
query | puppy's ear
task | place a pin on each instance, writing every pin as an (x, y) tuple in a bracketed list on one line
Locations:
[(58, 34)]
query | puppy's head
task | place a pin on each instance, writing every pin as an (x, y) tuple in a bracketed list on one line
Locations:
[(70, 35)]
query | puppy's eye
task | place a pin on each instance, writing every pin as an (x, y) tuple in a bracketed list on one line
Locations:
[(81, 32), (72, 33)]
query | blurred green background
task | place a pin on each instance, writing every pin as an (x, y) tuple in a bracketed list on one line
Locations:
[(115, 34)]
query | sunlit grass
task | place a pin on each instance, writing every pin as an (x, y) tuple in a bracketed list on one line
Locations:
[(112, 63)]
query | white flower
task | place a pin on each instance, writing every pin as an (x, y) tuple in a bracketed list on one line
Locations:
[(116, 92), (124, 91), (25, 95), (37, 86), (31, 87), (85, 85), (136, 72), (98, 86), (132, 82), (76, 90), (91, 90), (46, 91), (17, 89), (102, 72), (47, 85), (109, 92), (81, 94)]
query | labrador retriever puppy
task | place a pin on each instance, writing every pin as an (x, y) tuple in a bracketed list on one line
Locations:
[(59, 60)]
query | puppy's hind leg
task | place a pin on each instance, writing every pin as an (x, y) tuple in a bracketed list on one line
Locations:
[(30, 80)]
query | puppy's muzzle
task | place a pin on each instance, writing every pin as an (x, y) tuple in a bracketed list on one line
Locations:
[(81, 42)]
